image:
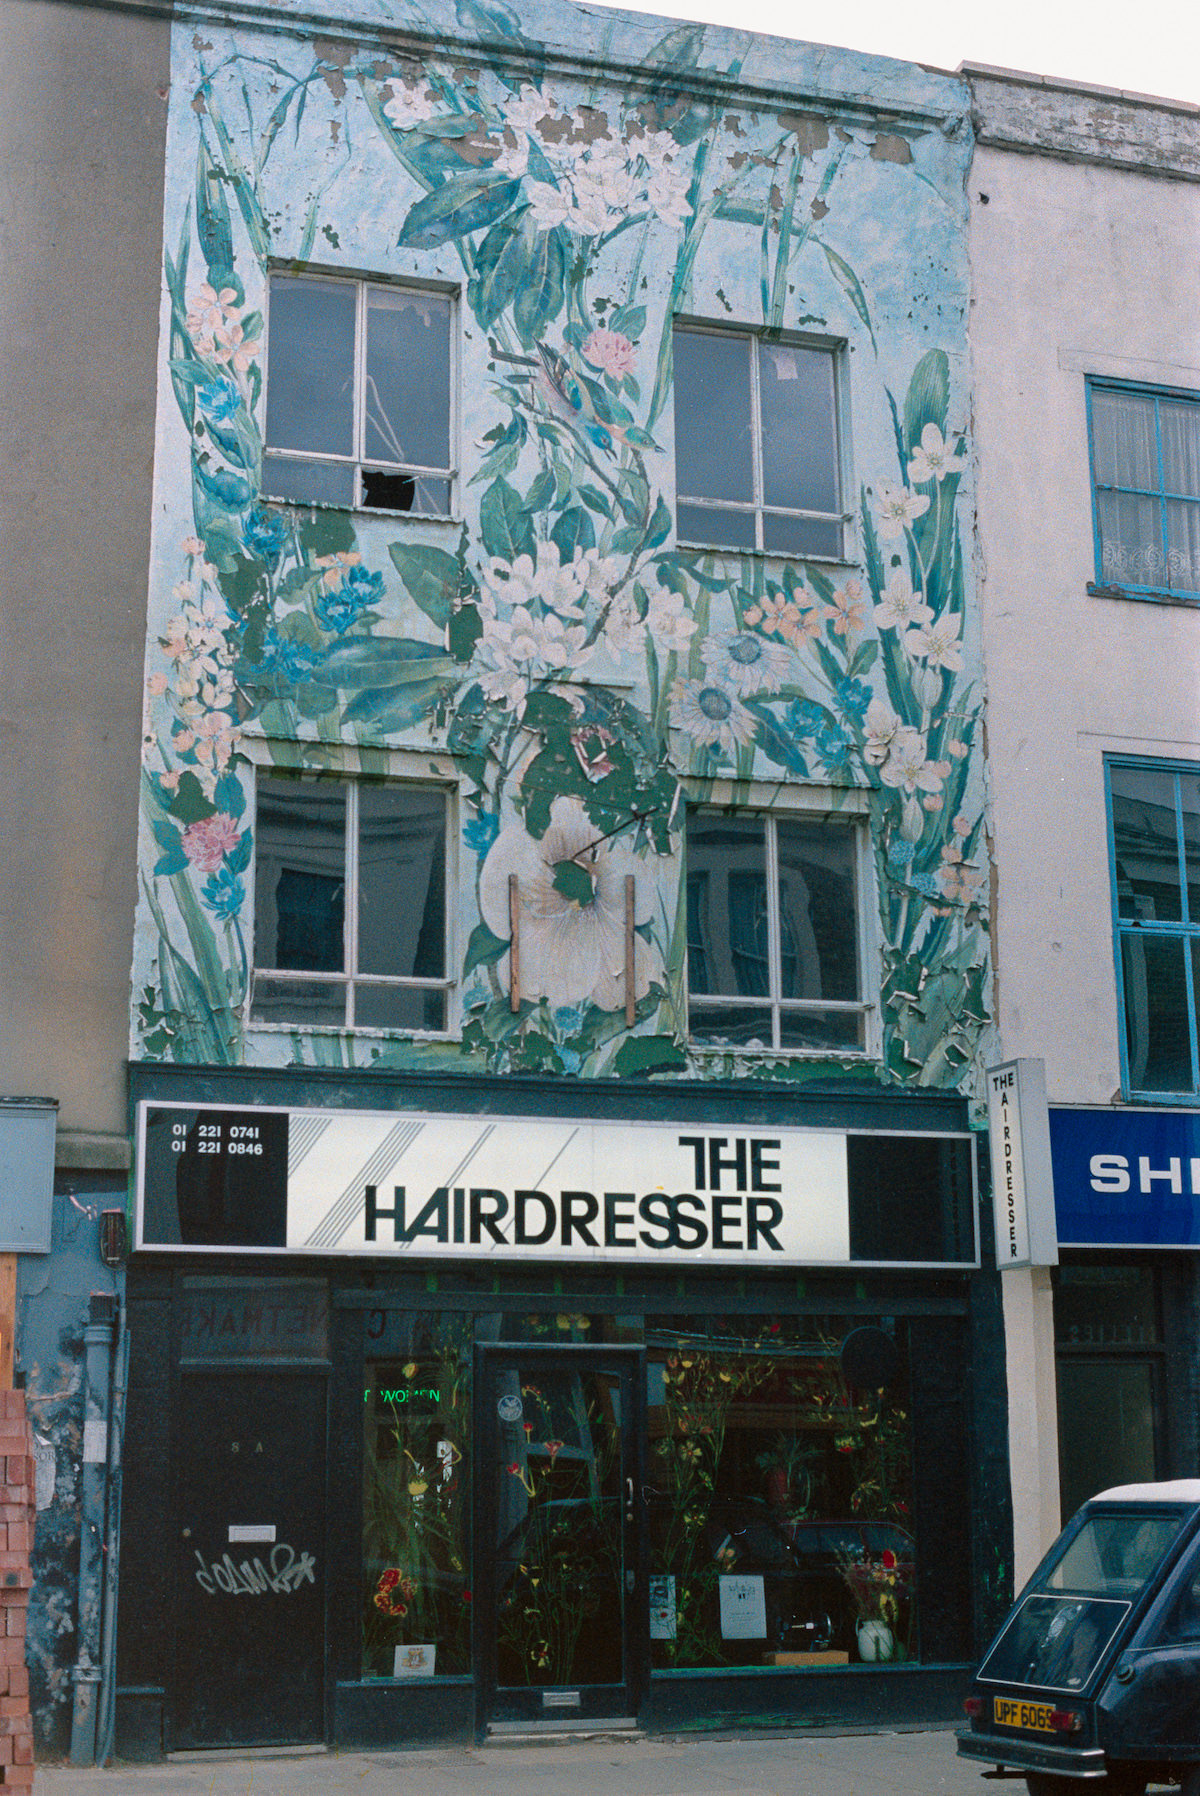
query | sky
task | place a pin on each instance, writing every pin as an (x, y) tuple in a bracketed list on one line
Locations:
[(1144, 46)]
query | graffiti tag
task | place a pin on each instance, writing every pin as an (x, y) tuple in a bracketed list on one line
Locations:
[(288, 1570)]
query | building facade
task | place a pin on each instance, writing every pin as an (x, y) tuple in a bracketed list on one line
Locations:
[(561, 1280), (1088, 422)]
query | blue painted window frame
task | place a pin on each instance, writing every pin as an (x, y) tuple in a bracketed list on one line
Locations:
[(1186, 929), (1155, 593)]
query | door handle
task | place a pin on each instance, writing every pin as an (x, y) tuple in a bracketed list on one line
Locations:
[(629, 1499)]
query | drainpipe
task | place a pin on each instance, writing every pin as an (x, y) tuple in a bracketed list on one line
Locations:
[(98, 1340), (112, 1546)]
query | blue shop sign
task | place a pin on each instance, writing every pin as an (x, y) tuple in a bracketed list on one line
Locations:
[(1126, 1178)]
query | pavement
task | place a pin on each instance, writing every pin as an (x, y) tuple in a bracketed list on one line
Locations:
[(920, 1762)]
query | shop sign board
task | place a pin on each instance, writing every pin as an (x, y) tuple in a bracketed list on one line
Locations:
[(1022, 1187), (521, 1188), (1126, 1178)]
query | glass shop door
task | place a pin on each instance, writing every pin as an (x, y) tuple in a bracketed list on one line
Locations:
[(561, 1622)]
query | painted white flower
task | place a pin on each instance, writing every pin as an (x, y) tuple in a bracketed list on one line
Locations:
[(907, 767), (550, 206), (513, 159), (901, 608), (710, 715), (526, 110), (590, 204), (932, 459), (571, 909), (624, 630), (666, 195), (505, 685), (669, 621), (747, 663), (897, 508), (409, 106), (937, 644), (879, 729)]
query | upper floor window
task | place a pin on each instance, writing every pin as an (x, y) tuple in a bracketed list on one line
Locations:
[(358, 395), (774, 932), (350, 904), (1155, 844), (1146, 488), (756, 444)]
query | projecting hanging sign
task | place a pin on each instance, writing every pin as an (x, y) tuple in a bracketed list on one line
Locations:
[(520, 1188)]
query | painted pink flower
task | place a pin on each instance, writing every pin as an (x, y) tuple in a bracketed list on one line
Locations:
[(611, 351), (208, 842)]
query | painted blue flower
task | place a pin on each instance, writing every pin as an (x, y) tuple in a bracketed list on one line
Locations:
[(833, 746), (340, 609), (265, 534), (294, 660), (855, 696), (366, 586), (224, 894), (481, 831), (926, 883), (568, 1021), (219, 401), (803, 717), (899, 854)]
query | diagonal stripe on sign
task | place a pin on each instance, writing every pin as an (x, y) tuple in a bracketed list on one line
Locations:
[(304, 1131), (343, 1210), (549, 1168)]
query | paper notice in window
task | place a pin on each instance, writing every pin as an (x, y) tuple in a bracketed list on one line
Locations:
[(662, 1608), (743, 1609)]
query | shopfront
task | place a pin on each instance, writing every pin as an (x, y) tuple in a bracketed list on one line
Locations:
[(1127, 1200), (458, 1415)]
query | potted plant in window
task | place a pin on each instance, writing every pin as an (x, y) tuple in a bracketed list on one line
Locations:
[(874, 1590)]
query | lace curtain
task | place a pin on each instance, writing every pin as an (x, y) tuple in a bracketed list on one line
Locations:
[(1147, 471)]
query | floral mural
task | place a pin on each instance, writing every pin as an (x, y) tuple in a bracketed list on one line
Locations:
[(552, 647)]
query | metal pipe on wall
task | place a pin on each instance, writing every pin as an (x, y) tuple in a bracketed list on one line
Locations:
[(98, 1343)]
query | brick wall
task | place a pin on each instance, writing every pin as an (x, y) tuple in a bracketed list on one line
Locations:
[(16, 1578)]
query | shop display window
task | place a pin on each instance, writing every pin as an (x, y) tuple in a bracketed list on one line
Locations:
[(416, 1498), (779, 1497)]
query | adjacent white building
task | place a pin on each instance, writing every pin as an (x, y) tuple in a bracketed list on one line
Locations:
[(1085, 240)]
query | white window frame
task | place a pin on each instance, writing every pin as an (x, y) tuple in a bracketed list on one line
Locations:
[(757, 507), (349, 977), (774, 1005), (363, 285)]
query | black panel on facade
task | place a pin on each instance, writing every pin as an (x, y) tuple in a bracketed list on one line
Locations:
[(910, 1198), (216, 1178)]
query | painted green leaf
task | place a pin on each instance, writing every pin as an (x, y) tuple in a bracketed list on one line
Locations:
[(540, 295), (629, 320), (484, 949), (463, 632), (379, 662), (456, 209), (391, 709), (542, 491), (188, 802), (212, 220), (500, 264), (851, 286), (648, 1054), (505, 522), (574, 530), (430, 576), (229, 490), (660, 525), (573, 882), (928, 396)]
